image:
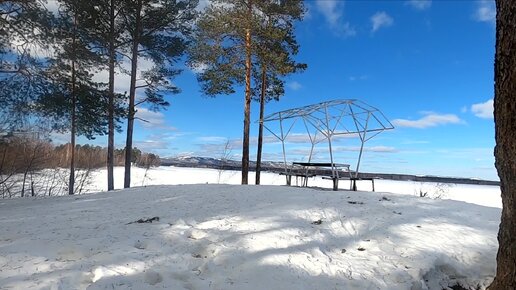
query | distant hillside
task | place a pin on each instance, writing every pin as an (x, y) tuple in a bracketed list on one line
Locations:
[(272, 166)]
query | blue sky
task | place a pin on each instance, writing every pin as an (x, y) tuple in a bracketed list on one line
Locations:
[(428, 65)]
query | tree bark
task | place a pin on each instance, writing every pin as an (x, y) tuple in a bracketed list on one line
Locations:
[(111, 101), (132, 95), (71, 181), (260, 127), (505, 134), (247, 103)]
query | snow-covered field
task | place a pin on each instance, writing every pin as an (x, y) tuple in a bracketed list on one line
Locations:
[(168, 175), (225, 236)]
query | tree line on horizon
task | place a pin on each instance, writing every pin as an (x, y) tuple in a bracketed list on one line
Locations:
[(32, 166), (50, 62)]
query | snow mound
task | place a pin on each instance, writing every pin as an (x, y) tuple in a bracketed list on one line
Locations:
[(245, 237)]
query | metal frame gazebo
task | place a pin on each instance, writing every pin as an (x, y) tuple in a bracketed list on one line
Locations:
[(326, 121)]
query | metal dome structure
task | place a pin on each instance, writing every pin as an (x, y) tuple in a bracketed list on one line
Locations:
[(326, 121)]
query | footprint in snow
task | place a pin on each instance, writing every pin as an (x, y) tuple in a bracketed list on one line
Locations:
[(152, 277), (140, 245), (70, 254)]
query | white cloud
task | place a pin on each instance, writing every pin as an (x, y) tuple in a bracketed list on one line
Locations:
[(151, 145), (378, 149), (165, 136), (213, 145), (292, 138), (382, 149), (419, 4), (340, 149), (198, 67), (331, 9), (123, 80), (381, 19), (429, 120), (158, 142), (347, 30), (301, 138), (219, 150), (483, 110), (308, 11), (59, 138), (295, 86), (152, 120), (486, 11), (52, 6), (212, 139)]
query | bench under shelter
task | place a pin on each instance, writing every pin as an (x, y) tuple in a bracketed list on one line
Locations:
[(321, 125)]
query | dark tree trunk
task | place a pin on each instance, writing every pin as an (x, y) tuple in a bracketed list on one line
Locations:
[(505, 150), (71, 181), (260, 128), (28, 169), (111, 101), (23, 184), (247, 104), (132, 94)]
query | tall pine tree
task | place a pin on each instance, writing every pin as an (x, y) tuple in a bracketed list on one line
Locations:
[(109, 35), (275, 45), (73, 101), (159, 31), (241, 40), (223, 49)]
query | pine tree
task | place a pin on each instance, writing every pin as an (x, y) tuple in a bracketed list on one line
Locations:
[(24, 27), (109, 36), (25, 30), (159, 31), (240, 42), (224, 49), (74, 102), (275, 45)]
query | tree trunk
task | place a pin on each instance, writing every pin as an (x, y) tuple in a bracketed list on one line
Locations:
[(260, 128), (111, 101), (132, 94), (23, 184), (28, 168), (505, 134), (71, 181), (247, 105)]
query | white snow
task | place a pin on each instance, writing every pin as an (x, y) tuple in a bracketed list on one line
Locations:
[(223, 236), (477, 194)]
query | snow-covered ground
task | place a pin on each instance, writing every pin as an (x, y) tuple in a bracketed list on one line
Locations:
[(168, 175), (225, 236)]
